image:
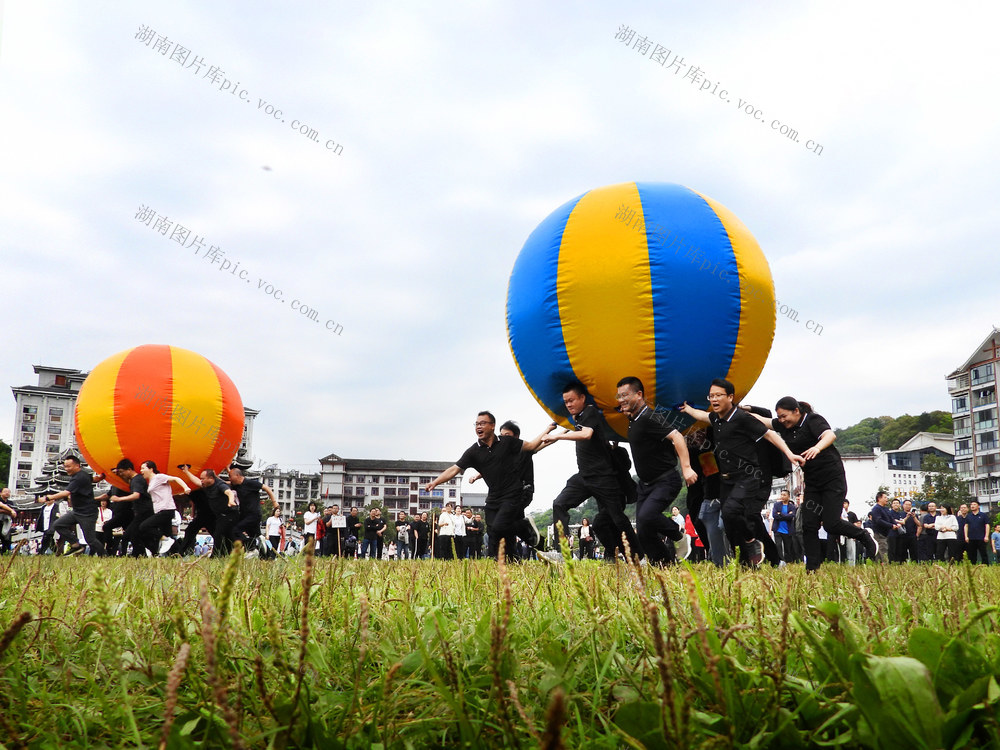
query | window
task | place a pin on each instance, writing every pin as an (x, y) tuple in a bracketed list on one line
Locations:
[(29, 410), (389, 491), (963, 447), (55, 411), (27, 428), (414, 486), (374, 492), (54, 437), (437, 493), (60, 381), (389, 480), (402, 480), (25, 454), (454, 493), (962, 427), (348, 491), (28, 447), (373, 480), (982, 374), (424, 505), (55, 420), (359, 491), (959, 404)]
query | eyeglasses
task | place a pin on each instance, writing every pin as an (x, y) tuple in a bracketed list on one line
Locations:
[(716, 395), (483, 424)]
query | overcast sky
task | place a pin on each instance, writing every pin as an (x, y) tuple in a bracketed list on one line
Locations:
[(462, 126)]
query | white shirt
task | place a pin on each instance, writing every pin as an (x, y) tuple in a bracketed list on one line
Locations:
[(459, 522), (947, 527), (159, 490), (310, 518), (446, 525), (274, 525), (585, 532)]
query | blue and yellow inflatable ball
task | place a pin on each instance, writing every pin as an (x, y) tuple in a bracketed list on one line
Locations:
[(647, 279)]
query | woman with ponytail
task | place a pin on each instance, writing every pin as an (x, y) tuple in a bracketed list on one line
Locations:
[(810, 436)]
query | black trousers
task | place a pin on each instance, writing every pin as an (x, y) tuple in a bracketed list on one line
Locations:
[(926, 547), (741, 518), (948, 550), (907, 546), (65, 527), (787, 547), (223, 534), (121, 517), (587, 548), (609, 523), (247, 530), (505, 520), (133, 534), (156, 526), (823, 504), (202, 520), (655, 499), (474, 543), (979, 551)]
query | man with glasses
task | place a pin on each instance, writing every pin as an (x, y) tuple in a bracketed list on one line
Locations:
[(656, 448), (736, 435), (495, 458)]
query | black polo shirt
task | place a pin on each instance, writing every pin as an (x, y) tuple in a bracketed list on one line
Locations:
[(593, 456), (926, 519), (217, 499), (652, 453), (976, 524), (142, 505), (736, 436), (248, 495), (499, 465), (199, 500), (827, 466), (81, 494)]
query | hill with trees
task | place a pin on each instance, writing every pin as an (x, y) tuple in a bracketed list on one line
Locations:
[(888, 433)]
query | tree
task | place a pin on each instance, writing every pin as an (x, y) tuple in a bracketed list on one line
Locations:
[(943, 485), (4, 463)]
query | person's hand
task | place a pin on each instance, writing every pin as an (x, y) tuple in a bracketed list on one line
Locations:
[(429, 486), (690, 477), (810, 454), (549, 439), (797, 460)]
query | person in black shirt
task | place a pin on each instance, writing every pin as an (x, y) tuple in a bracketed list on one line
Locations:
[(910, 532), (474, 534), (496, 459), (596, 478), (142, 507), (927, 541), (656, 447), (247, 529), (374, 530), (736, 433), (977, 534), (204, 518), (810, 435), (121, 517), (222, 502), (80, 492), (421, 531)]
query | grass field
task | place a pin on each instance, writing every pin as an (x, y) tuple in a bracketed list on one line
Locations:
[(200, 653)]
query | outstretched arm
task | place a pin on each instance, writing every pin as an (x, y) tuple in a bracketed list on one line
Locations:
[(697, 414), (775, 439), (450, 473)]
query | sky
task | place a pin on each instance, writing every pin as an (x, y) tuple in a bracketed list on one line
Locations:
[(445, 133)]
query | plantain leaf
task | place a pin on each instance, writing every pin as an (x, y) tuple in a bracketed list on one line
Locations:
[(898, 700)]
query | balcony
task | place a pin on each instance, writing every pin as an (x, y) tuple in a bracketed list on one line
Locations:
[(984, 378), (958, 453), (986, 424), (963, 432), (961, 383)]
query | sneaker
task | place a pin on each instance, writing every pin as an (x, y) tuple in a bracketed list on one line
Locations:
[(251, 554), (75, 549), (757, 556), (552, 557), (534, 541)]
